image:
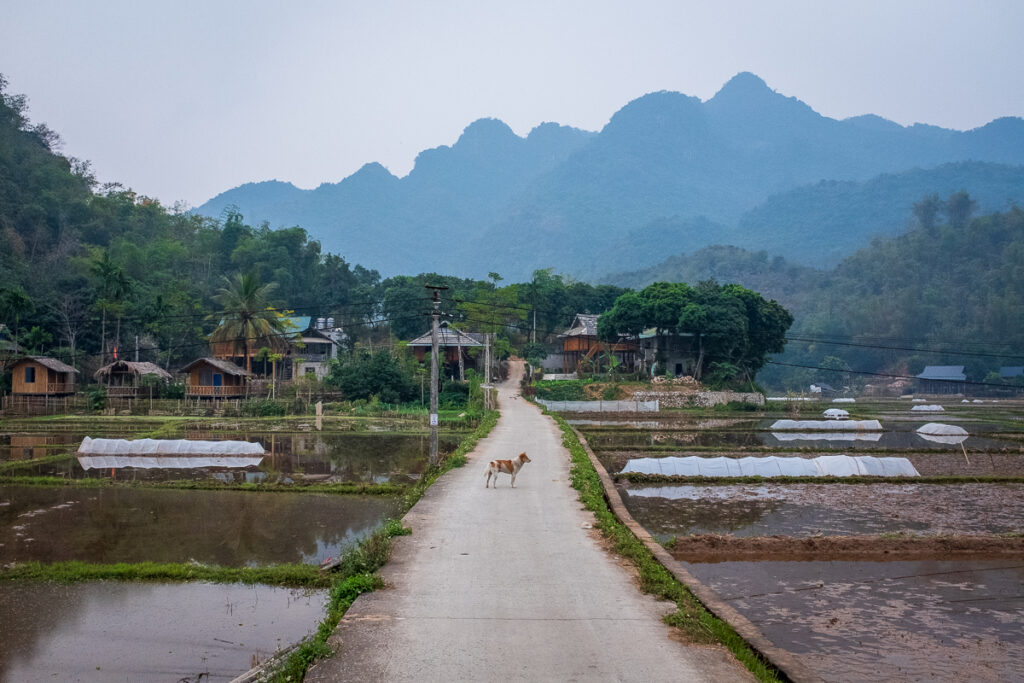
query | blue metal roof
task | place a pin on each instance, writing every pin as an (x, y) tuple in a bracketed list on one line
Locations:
[(949, 373), (1011, 371)]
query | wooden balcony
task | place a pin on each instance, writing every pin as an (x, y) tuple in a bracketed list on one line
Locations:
[(216, 392), (60, 388)]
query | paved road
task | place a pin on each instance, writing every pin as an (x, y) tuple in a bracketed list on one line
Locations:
[(509, 584)]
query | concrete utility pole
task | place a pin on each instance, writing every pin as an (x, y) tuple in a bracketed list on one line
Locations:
[(434, 322), (487, 371)]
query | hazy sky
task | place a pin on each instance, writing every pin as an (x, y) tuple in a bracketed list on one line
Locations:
[(183, 99)]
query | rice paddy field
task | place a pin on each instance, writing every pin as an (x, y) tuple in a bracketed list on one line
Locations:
[(863, 577)]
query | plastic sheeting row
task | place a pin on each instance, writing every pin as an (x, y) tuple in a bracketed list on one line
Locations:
[(774, 466), (167, 447), (600, 406), (104, 462), (828, 425)]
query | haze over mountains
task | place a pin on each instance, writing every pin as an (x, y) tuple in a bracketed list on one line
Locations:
[(668, 174)]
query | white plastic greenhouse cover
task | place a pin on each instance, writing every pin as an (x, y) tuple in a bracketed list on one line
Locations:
[(774, 466), (844, 400), (941, 429), (100, 462), (930, 408), (829, 425), (949, 439), (836, 414), (827, 436), (153, 447)]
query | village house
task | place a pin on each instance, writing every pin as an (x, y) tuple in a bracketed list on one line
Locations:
[(671, 353), (124, 379), (306, 349), (580, 345), (942, 379), (453, 348), (215, 378), (42, 376)]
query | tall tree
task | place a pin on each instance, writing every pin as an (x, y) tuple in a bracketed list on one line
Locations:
[(249, 320)]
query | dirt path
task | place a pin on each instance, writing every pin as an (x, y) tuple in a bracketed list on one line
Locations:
[(509, 584)]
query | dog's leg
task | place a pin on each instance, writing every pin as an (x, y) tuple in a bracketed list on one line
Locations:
[(513, 478)]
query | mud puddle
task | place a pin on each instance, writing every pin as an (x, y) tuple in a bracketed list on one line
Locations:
[(109, 631)]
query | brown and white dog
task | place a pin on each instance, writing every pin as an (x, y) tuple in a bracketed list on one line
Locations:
[(508, 467)]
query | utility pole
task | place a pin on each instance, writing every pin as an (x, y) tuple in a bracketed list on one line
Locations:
[(434, 322), (136, 348), (487, 371)]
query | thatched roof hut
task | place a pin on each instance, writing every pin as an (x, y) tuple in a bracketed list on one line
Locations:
[(130, 370)]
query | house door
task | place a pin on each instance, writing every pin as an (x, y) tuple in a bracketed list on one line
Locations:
[(218, 379)]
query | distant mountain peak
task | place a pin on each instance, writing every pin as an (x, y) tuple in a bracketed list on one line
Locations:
[(486, 130)]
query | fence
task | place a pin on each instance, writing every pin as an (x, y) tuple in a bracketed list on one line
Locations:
[(600, 406)]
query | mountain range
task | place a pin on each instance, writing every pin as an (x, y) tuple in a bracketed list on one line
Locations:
[(668, 174)]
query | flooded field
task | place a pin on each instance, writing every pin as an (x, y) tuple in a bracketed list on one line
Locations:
[(826, 509), (360, 457), (949, 601), (905, 440), (226, 528), (871, 621), (109, 631)]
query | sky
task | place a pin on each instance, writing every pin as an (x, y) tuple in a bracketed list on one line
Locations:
[(181, 100)]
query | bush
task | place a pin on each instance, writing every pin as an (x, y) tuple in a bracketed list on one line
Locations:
[(561, 390), (97, 396), (381, 375), (262, 407)]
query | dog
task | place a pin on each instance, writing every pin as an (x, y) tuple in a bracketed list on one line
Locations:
[(508, 467)]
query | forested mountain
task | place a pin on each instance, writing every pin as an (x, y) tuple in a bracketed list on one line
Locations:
[(668, 173), (952, 290)]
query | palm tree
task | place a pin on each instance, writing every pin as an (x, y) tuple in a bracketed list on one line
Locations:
[(249, 319), (114, 286)]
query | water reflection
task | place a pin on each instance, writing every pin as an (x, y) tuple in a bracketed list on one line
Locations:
[(370, 457), (228, 528), (108, 631)]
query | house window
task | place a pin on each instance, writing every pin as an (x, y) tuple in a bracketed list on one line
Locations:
[(30, 375), (310, 371), (205, 378)]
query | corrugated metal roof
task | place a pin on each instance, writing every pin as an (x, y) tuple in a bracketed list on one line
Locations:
[(949, 373), (446, 336), (583, 325), (1011, 371)]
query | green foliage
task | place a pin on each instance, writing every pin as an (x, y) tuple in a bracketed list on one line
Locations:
[(561, 390), (97, 395), (262, 407), (381, 375)]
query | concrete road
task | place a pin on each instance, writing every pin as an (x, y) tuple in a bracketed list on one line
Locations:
[(510, 584)]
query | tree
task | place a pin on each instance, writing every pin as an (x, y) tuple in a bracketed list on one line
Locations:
[(248, 320), (380, 374), (926, 211), (959, 208), (113, 287)]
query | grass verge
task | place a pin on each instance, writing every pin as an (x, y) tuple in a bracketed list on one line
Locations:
[(290, 575), (690, 617)]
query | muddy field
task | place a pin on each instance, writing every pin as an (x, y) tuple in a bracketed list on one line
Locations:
[(723, 548), (863, 582), (884, 621), (801, 510)]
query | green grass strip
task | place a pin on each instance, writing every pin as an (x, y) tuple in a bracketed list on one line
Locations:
[(340, 488), (691, 616), (641, 478), (291, 575)]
